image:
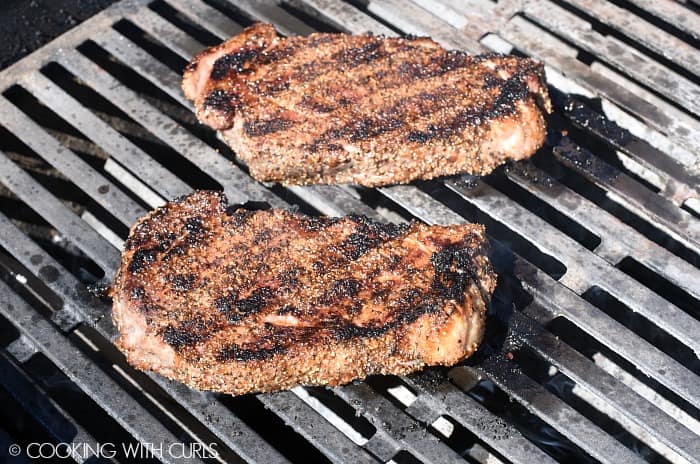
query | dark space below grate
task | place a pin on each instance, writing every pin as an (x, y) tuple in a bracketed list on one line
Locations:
[(590, 351)]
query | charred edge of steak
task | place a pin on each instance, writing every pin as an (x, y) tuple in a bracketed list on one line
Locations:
[(341, 289), (152, 243), (393, 118), (237, 62), (237, 309), (390, 119), (188, 333), (505, 104), (365, 53), (142, 234), (303, 72), (315, 223), (222, 101), (276, 341), (266, 127), (454, 270), (368, 235), (182, 282), (235, 352)]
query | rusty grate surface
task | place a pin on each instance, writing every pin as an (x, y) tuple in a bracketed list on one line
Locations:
[(591, 354)]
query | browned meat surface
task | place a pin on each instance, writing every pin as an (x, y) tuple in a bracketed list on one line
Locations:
[(368, 110), (245, 301)]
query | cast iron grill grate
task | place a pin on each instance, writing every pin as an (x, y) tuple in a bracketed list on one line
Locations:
[(591, 351)]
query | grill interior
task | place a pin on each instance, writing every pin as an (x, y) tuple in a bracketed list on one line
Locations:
[(593, 334)]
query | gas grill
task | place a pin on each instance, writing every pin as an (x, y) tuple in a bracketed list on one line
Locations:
[(591, 351)]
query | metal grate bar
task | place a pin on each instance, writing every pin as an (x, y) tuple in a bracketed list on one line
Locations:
[(624, 400), (395, 428), (673, 13), (623, 57), (81, 370), (56, 214), (481, 455), (646, 357), (238, 187), (332, 200), (179, 41), (680, 128), (200, 12), (44, 410), (445, 399), (227, 427), (103, 191), (327, 439), (344, 16), (77, 302), (549, 407), (451, 13), (130, 53), (617, 239), (412, 19), (170, 35), (421, 205), (680, 183), (641, 31), (102, 134), (269, 11), (673, 410), (584, 268), (21, 349), (482, 18), (635, 123), (652, 207)]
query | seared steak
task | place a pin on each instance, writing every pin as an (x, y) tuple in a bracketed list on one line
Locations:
[(244, 301), (368, 110)]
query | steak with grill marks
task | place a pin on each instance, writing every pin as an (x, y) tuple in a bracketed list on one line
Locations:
[(368, 110), (242, 301)]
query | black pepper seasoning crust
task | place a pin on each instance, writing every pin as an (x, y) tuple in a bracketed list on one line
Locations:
[(370, 110), (261, 300)]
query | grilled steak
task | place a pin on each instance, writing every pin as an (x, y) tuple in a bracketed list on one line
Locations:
[(368, 110), (244, 301)]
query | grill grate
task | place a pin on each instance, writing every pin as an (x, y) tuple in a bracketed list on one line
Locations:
[(592, 347)]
